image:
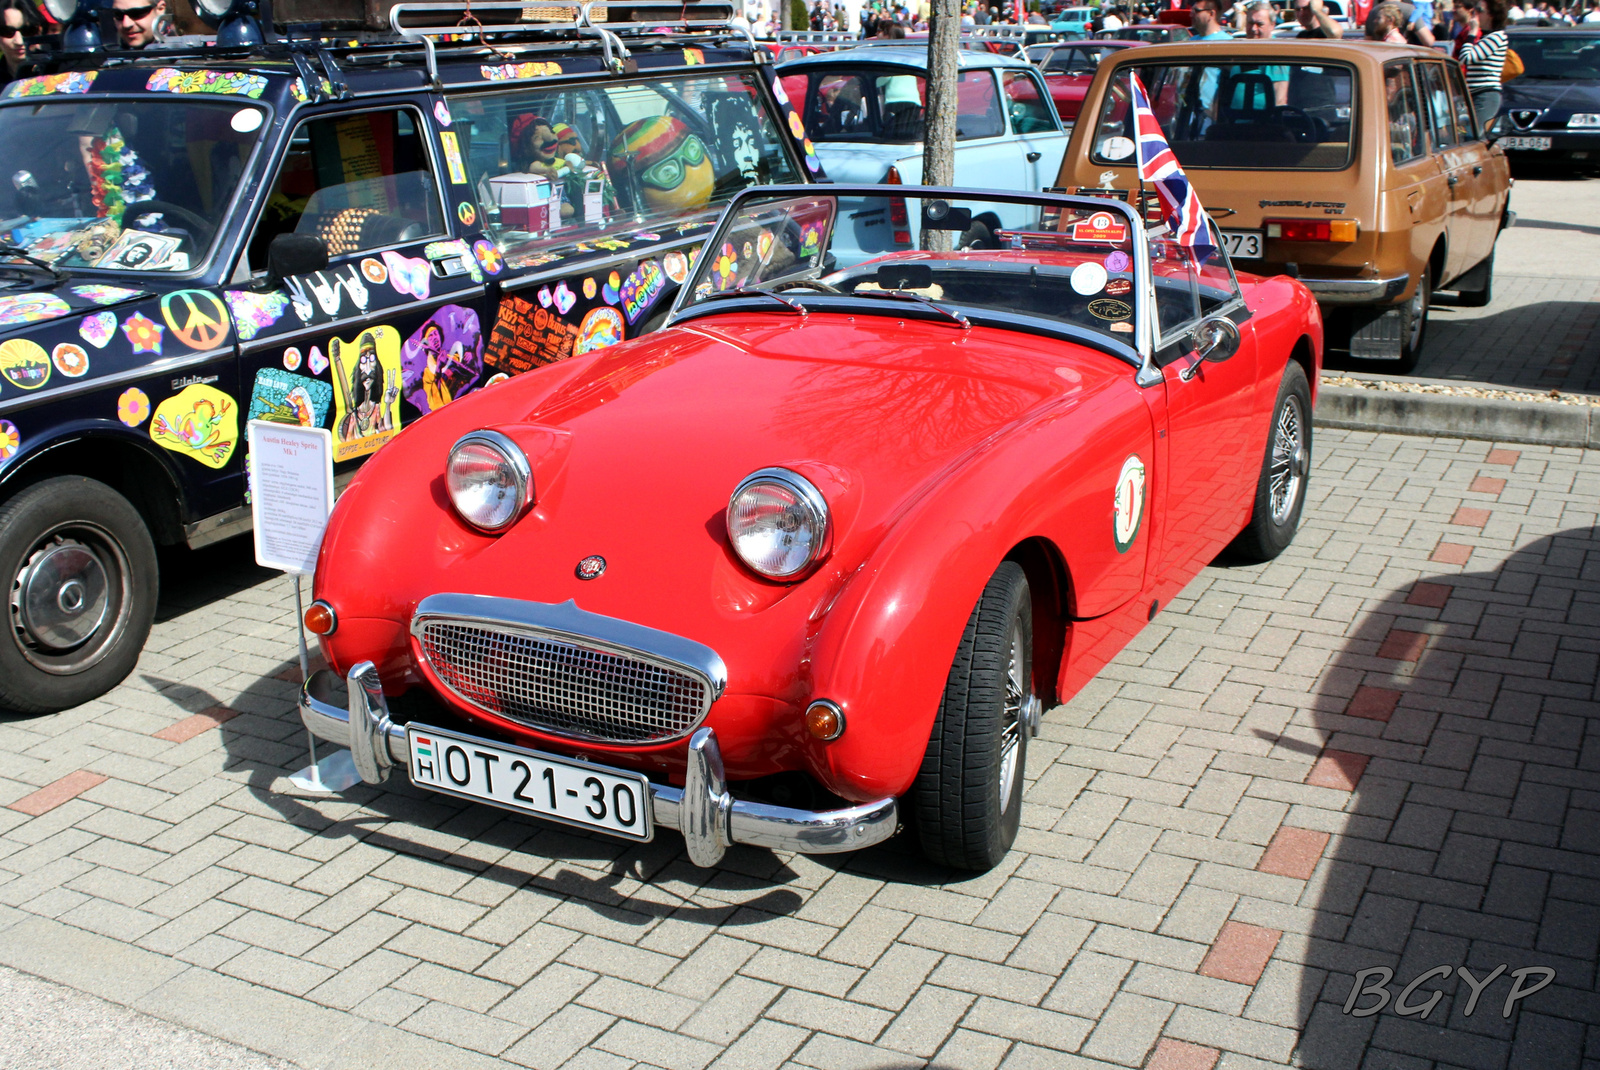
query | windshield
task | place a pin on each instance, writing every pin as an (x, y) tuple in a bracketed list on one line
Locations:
[(565, 167), (886, 104), (1076, 60), (126, 185), (1261, 116), (1559, 56), (1050, 263)]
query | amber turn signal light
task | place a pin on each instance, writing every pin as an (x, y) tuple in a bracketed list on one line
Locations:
[(320, 618), (824, 720), (1340, 230)]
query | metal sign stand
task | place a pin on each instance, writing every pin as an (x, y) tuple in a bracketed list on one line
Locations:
[(337, 771)]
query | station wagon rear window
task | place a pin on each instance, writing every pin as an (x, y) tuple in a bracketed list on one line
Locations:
[(1238, 115), (888, 104), (131, 185)]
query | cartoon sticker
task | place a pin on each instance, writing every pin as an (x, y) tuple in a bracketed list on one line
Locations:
[(1101, 226), (600, 328), (489, 257), (70, 360), (457, 249), (642, 287), (10, 440), (1117, 260), (133, 406), (374, 271), (589, 288), (796, 127), (290, 399), (24, 363), (466, 213), (254, 312), (693, 56), (443, 359), (497, 377), (316, 362), (563, 297), (31, 308), (526, 336), (143, 333), (676, 265), (512, 71), (98, 329), (69, 82), (1088, 279), (291, 359), (452, 159), (366, 384), (1107, 309), (608, 292), (105, 295), (196, 318), (231, 83), (199, 422), (1128, 503), (407, 274), (441, 112), (810, 239), (322, 295), (141, 250), (544, 297), (1119, 287)]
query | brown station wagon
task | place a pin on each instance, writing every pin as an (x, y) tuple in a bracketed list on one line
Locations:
[(1358, 166)]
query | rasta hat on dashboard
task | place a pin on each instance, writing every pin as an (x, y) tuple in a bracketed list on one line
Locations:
[(644, 141), (667, 162)]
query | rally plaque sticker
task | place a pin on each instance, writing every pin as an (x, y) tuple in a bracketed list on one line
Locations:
[(1128, 503)]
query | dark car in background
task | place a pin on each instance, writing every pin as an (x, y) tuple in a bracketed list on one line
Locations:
[(1551, 114)]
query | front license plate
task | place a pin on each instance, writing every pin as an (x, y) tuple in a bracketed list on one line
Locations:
[(529, 781), (1243, 244), (1526, 144)]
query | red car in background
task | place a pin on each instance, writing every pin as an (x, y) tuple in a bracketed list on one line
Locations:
[(1069, 67), (815, 557)]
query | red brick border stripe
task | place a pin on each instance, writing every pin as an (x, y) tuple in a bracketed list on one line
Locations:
[(1293, 852), (1401, 645), (1451, 553), (1178, 1055), (1432, 595), (189, 727), (57, 792), (1240, 952), (1373, 703), (1338, 769)]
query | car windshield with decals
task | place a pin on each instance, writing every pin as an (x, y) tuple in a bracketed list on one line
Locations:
[(346, 233)]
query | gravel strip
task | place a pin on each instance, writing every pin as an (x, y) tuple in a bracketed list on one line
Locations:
[(1556, 397)]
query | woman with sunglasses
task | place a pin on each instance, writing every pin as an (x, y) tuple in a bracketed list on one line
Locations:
[(21, 21), (136, 21)]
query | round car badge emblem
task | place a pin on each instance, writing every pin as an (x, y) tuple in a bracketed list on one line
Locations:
[(591, 567), (1128, 511)]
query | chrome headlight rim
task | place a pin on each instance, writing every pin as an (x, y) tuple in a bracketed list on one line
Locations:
[(808, 494), (521, 472)]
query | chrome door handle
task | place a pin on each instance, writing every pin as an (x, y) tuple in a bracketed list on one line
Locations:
[(1033, 157), (1453, 180), (1477, 170)]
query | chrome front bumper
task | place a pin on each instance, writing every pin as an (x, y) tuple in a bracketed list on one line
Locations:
[(710, 819), (1356, 291)]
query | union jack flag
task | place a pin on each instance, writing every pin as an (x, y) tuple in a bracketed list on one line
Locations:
[(1159, 167)]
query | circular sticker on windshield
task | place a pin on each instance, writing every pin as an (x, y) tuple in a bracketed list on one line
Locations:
[(246, 120), (1117, 260), (1118, 288), (1116, 148), (1107, 309), (1128, 503), (1088, 279)]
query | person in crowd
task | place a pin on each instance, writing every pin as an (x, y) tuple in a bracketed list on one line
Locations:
[(1383, 24), (1260, 18), (21, 22), (136, 22), (1481, 48), (1315, 21), (1205, 23), (1111, 20)]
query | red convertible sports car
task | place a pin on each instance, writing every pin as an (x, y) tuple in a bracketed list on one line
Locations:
[(809, 562)]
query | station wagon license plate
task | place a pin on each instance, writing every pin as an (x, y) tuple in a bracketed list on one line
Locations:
[(531, 782), (1243, 244), (1526, 144)]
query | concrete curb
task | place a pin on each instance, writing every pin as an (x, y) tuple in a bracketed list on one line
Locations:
[(1454, 416)]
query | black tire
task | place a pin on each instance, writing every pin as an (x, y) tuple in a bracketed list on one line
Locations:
[(1281, 488), (73, 549), (1479, 298), (978, 236), (967, 798), (1414, 322)]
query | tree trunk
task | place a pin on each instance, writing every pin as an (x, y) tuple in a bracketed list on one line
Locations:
[(939, 127)]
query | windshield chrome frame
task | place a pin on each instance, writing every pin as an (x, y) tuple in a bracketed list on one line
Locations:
[(1144, 335), (223, 238)]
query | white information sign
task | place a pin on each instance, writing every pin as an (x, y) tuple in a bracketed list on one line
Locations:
[(291, 493)]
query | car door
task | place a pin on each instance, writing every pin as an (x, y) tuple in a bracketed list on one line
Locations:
[(391, 327), (985, 155), (1488, 175), (1215, 430), (1455, 164), (1035, 127), (1416, 190)]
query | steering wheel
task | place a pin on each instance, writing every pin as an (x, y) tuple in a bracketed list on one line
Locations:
[(1297, 122), (807, 284), (202, 230)]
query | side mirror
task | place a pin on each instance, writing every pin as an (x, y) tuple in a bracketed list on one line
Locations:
[(294, 254), (1215, 338)]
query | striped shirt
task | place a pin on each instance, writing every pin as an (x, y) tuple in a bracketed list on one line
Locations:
[(1482, 61)]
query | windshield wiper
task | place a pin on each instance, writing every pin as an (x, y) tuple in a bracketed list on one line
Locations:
[(756, 291), (17, 252), (906, 295)]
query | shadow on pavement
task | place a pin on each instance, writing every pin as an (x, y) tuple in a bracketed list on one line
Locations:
[(1465, 709), (194, 578)]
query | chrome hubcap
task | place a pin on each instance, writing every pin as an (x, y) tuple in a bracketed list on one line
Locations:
[(68, 599), (1014, 718), (1418, 309), (1290, 460)]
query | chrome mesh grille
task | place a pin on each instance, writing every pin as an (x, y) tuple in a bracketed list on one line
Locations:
[(560, 686)]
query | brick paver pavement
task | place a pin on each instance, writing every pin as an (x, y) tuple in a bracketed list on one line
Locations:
[(1371, 755)]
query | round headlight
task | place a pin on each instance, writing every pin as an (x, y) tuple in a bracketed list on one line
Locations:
[(489, 480), (778, 523)]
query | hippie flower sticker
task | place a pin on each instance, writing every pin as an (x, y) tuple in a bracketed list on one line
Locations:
[(144, 334), (488, 256), (725, 268), (133, 407), (10, 440), (98, 329)]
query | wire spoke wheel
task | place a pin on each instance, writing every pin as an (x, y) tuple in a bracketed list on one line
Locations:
[(1012, 716), (1288, 459)]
